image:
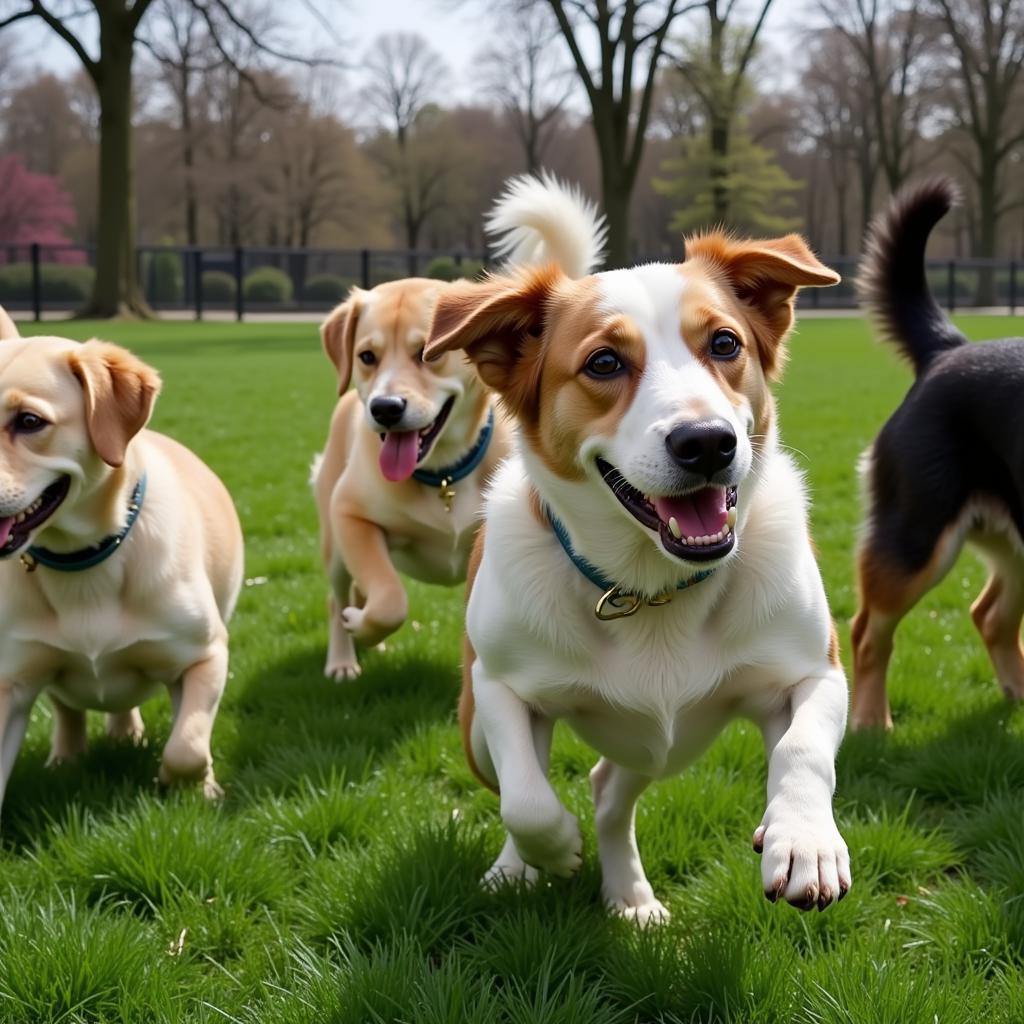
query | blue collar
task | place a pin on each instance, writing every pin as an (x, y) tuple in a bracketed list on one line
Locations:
[(87, 558), (615, 602), (443, 479), (460, 470)]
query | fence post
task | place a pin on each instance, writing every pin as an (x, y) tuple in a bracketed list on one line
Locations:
[(1013, 287), (458, 260), (364, 267), (951, 285), (239, 298), (37, 291), (197, 281)]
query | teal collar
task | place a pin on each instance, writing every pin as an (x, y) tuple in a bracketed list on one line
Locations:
[(615, 602), (87, 558), (445, 478)]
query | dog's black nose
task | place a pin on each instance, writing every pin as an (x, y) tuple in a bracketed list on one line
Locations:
[(703, 447), (387, 410)]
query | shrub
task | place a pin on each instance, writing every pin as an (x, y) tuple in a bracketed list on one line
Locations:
[(59, 282), (165, 283), (267, 284), (218, 286), (326, 288), (444, 268)]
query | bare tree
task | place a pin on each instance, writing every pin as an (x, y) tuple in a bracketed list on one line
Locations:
[(404, 75), (985, 84), (892, 42), (838, 118), (115, 288), (716, 67), (629, 38), (528, 76), (177, 39)]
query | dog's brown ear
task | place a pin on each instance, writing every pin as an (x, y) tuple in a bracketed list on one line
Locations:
[(119, 391), (338, 334), (764, 274), (499, 323)]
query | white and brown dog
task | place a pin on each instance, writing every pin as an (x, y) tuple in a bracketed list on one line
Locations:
[(646, 572), (120, 556)]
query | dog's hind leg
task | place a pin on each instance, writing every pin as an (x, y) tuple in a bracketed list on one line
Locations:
[(68, 740), (342, 662), (887, 593), (997, 614), (624, 883), (126, 725)]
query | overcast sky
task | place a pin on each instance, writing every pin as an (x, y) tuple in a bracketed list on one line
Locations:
[(456, 30)]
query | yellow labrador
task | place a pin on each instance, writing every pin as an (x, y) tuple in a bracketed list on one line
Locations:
[(400, 483), (120, 556)]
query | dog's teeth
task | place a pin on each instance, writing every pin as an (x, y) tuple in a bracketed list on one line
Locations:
[(673, 527), (730, 518), (689, 540)]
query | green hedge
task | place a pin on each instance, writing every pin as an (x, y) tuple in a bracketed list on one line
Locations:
[(165, 283), (59, 282), (218, 286), (444, 268), (326, 288), (267, 284)]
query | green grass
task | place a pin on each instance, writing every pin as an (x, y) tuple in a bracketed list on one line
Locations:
[(337, 880)]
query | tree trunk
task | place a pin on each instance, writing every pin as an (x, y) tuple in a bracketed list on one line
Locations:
[(988, 223), (616, 199), (719, 141), (115, 290)]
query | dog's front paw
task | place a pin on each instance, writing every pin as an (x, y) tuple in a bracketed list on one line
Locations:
[(546, 835), (803, 857), (365, 627), (639, 905), (342, 669)]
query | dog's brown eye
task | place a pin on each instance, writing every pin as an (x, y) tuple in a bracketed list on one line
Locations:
[(419, 355), (603, 363), (28, 423), (367, 358), (725, 345)]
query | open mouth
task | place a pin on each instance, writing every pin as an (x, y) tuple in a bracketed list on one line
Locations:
[(15, 530), (403, 450), (697, 526)]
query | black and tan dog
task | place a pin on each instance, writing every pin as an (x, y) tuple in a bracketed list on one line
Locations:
[(947, 467)]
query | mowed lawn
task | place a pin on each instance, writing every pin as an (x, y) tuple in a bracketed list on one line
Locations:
[(337, 881)]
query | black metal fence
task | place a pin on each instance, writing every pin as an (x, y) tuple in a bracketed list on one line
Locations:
[(46, 278)]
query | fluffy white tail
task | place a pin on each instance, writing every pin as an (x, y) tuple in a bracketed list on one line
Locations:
[(314, 469), (542, 220), (7, 328)]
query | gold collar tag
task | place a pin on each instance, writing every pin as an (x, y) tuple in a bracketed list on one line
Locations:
[(446, 492), (616, 603)]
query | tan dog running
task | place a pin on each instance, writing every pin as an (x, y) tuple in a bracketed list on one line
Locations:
[(133, 550), (399, 485)]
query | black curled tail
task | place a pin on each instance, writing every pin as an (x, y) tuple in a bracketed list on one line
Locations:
[(891, 281)]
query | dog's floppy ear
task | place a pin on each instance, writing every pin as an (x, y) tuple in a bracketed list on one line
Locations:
[(499, 323), (338, 334), (764, 274), (119, 392)]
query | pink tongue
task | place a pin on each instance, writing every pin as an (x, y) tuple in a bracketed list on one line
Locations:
[(398, 454), (700, 514), (6, 525)]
